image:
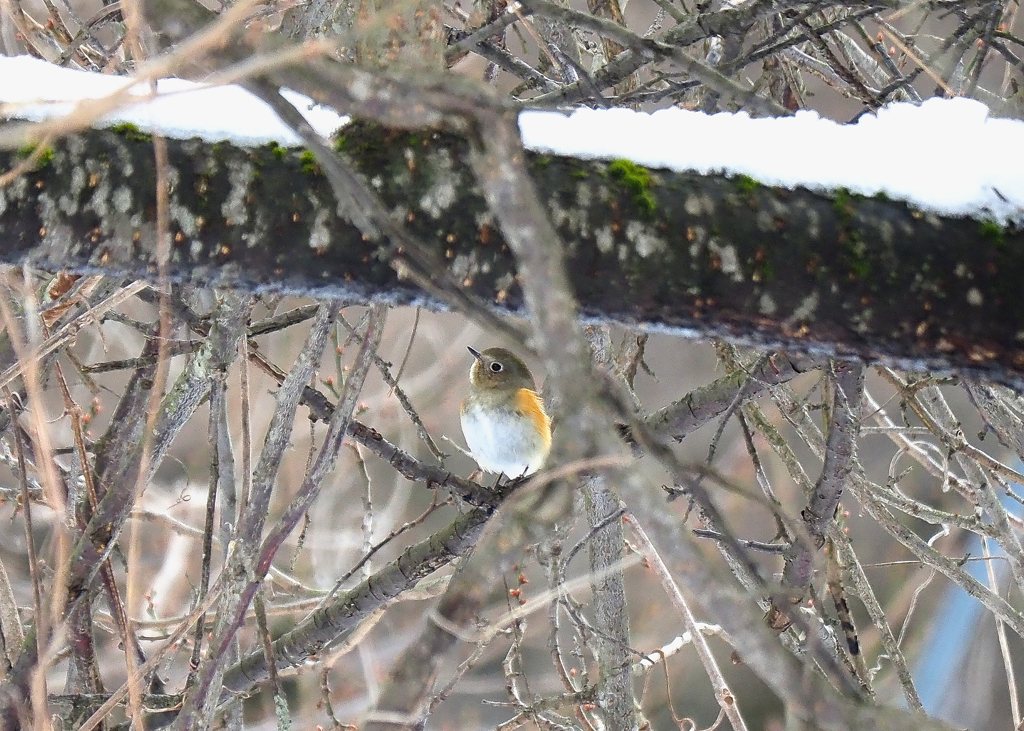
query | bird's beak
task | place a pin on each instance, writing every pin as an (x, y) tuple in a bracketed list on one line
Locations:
[(475, 353)]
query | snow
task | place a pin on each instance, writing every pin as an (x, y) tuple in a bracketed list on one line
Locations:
[(946, 156), (35, 90)]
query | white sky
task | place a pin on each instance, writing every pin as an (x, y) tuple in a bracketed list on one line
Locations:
[(946, 156)]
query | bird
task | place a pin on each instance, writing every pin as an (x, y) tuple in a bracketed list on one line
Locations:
[(503, 418)]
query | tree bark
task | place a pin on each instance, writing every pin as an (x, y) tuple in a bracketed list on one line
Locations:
[(864, 277)]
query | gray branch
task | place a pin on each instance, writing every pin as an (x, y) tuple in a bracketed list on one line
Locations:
[(676, 251)]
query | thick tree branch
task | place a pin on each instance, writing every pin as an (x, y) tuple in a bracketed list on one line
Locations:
[(860, 277)]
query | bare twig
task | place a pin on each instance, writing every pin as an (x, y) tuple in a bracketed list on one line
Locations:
[(724, 696)]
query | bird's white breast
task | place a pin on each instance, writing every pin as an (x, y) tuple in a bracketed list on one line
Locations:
[(505, 442)]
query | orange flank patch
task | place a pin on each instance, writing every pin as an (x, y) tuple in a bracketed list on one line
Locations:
[(529, 404)]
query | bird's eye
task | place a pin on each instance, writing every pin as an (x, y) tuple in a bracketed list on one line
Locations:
[(496, 367)]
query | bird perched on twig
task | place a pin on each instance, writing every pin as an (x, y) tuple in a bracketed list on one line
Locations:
[(503, 417)]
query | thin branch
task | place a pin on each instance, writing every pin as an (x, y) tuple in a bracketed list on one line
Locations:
[(723, 694)]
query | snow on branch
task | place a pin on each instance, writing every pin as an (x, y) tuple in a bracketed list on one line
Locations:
[(787, 248), (961, 161)]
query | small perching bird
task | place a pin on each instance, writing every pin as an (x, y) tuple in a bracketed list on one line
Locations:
[(503, 417)]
